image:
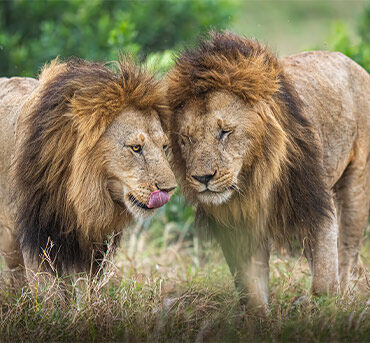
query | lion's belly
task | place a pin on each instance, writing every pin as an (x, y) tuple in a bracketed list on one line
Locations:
[(334, 91), (13, 93)]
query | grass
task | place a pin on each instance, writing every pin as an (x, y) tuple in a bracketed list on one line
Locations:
[(182, 292)]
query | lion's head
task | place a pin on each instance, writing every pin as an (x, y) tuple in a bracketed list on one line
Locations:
[(134, 148), (222, 99), (241, 145), (91, 154)]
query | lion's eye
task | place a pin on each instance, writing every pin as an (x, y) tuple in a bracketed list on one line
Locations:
[(224, 133), (137, 148), (165, 147)]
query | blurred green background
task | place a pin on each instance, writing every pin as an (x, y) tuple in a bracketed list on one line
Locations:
[(33, 32)]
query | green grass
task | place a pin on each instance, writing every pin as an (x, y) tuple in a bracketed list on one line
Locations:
[(183, 291)]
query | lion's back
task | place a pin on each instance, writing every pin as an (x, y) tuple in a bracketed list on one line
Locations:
[(15, 90), (335, 93)]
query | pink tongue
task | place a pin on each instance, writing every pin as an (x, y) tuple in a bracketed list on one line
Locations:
[(158, 199)]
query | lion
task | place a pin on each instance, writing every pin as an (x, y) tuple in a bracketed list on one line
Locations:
[(270, 150), (83, 153)]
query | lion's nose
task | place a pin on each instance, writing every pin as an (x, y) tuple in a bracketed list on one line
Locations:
[(164, 188), (204, 178)]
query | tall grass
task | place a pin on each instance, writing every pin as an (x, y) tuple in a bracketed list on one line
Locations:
[(181, 290)]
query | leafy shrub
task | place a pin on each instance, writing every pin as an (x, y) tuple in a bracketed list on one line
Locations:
[(33, 32), (359, 48)]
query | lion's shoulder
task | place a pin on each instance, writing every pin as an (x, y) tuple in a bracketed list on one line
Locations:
[(13, 93)]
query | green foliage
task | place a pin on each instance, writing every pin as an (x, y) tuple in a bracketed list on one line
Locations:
[(33, 32), (358, 49), (86, 29), (165, 24), (160, 62)]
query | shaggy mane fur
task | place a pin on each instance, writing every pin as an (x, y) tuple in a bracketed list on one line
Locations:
[(226, 62), (289, 169), (60, 189)]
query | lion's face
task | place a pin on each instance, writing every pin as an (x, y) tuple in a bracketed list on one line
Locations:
[(135, 149), (216, 137)]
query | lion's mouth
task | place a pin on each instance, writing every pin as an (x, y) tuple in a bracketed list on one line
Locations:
[(138, 203), (210, 191), (215, 197)]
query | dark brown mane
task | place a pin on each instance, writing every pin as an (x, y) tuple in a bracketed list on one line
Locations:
[(299, 200), (225, 62), (56, 167)]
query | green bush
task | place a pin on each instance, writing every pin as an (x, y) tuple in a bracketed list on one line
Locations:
[(358, 48), (33, 32)]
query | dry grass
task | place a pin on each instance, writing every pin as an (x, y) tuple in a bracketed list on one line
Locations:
[(176, 291)]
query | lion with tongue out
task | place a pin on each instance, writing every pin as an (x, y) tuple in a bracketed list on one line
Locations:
[(83, 152)]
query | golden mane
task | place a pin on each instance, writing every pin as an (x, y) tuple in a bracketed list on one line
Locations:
[(283, 186), (59, 184)]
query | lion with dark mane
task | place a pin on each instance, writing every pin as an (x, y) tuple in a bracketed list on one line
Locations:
[(82, 153), (273, 149)]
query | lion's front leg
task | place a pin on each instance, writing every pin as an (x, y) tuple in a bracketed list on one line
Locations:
[(252, 278), (322, 255), (249, 264), (10, 250)]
